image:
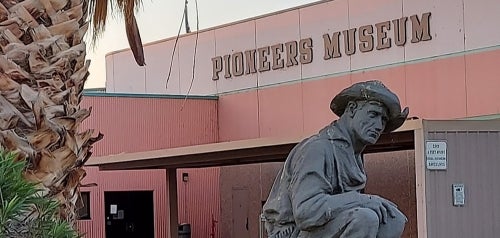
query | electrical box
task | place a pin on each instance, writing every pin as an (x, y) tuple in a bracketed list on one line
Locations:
[(458, 195)]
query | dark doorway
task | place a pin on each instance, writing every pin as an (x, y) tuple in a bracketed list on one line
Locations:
[(129, 214)]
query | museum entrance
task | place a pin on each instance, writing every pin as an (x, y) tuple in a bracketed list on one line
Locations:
[(129, 214)]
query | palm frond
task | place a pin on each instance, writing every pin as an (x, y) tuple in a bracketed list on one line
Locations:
[(98, 10)]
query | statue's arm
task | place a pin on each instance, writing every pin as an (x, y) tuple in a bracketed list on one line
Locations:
[(311, 190)]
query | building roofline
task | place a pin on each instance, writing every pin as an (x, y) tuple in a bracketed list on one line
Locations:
[(224, 25), (141, 95)]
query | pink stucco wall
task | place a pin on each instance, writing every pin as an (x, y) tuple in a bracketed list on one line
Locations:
[(456, 27), (452, 75), (443, 88)]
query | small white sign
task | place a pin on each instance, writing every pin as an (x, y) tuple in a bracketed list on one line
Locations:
[(435, 155), (113, 209)]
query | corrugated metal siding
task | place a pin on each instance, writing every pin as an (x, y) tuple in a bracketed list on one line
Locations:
[(474, 160), (150, 180), (132, 124), (95, 226), (198, 200)]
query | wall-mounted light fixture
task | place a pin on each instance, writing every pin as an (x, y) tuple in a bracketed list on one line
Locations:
[(185, 177)]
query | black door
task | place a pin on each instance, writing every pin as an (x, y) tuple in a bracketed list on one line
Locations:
[(129, 214)]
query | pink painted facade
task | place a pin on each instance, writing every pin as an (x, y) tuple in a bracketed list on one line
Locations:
[(126, 122), (198, 201), (431, 92), (124, 181), (452, 75)]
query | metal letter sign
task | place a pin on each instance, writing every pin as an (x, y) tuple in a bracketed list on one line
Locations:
[(435, 155)]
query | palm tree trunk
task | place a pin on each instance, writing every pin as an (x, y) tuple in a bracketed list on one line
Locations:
[(42, 74)]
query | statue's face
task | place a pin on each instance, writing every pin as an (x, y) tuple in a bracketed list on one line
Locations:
[(369, 121)]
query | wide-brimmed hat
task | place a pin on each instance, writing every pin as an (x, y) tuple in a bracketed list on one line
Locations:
[(372, 90)]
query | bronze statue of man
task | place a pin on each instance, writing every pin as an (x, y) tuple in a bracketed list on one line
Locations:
[(317, 192)]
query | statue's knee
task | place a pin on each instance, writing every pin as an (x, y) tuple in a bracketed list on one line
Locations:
[(349, 222), (365, 216), (400, 220), (394, 227)]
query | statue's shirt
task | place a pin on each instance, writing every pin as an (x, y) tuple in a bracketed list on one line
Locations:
[(317, 168)]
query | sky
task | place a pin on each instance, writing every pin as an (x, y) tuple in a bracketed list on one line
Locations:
[(160, 19)]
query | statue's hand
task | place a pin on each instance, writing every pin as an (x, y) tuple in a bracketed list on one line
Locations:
[(381, 206)]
